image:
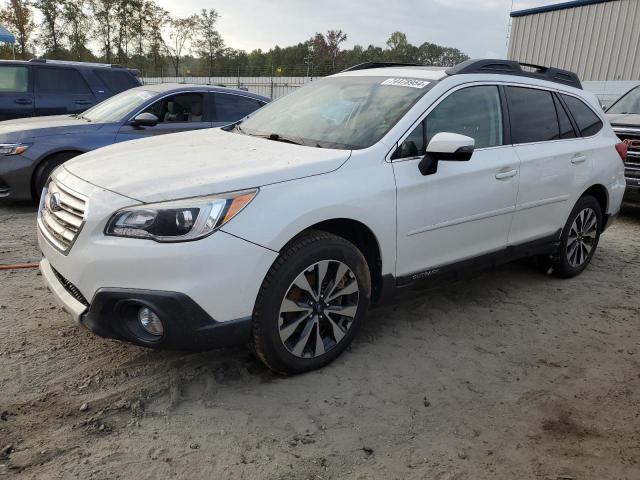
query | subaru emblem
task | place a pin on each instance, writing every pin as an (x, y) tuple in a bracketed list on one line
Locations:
[(54, 202)]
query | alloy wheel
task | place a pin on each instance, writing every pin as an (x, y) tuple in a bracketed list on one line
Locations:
[(582, 237), (318, 309)]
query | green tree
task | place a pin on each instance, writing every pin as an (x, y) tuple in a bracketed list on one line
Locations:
[(397, 41), (126, 23), (156, 20), (51, 30), (104, 13), (181, 32), (78, 23), (328, 44), (17, 16), (208, 41)]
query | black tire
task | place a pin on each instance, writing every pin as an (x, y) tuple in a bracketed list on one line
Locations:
[(561, 265), (46, 168), (296, 257)]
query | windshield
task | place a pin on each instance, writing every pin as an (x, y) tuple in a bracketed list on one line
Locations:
[(115, 108), (338, 112), (629, 103)]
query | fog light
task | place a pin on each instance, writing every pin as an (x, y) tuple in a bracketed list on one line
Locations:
[(150, 322)]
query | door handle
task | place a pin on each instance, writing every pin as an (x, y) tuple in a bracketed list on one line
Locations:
[(579, 158), (83, 102), (23, 101), (507, 174)]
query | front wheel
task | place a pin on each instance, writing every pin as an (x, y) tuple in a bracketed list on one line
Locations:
[(46, 168), (579, 238), (311, 303)]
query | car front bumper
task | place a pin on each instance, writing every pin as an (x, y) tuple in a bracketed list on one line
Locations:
[(15, 177), (113, 314), (204, 290), (62, 295)]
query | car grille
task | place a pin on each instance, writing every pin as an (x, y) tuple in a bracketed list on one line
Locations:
[(61, 215), (632, 165), (71, 288)]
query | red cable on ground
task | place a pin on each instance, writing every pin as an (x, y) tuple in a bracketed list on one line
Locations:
[(19, 266)]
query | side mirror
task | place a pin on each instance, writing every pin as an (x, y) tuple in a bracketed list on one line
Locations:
[(446, 146), (144, 119)]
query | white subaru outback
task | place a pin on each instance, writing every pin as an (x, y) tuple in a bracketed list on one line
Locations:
[(280, 231)]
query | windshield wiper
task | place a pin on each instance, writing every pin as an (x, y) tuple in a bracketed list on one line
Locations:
[(276, 137), (279, 138), (232, 127)]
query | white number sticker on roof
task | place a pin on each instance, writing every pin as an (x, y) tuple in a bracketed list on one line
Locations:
[(406, 82)]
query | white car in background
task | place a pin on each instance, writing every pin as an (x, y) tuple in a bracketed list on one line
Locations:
[(283, 230)]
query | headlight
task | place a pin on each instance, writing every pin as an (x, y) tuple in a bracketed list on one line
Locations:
[(12, 148), (179, 220)]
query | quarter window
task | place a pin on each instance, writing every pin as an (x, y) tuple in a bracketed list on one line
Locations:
[(60, 81), (533, 115), (13, 79), (588, 122), (566, 128)]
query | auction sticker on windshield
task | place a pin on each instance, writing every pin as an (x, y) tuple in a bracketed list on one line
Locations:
[(406, 82)]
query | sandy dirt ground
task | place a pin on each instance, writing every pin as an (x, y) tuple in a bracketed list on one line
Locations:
[(510, 375)]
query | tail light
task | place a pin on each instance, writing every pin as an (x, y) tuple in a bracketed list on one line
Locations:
[(622, 150)]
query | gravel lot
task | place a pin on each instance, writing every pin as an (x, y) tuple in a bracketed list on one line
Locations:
[(508, 375)]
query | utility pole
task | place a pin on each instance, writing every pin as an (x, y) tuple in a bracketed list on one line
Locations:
[(308, 60)]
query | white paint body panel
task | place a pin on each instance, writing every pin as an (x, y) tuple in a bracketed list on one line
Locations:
[(459, 212), (419, 222), (195, 163)]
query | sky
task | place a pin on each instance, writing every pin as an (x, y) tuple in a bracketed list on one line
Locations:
[(477, 27)]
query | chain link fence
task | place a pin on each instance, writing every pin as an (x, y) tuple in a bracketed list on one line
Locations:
[(272, 87), (270, 81)]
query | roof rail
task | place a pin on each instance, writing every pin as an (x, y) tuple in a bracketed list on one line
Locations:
[(367, 65), (511, 67), (69, 62)]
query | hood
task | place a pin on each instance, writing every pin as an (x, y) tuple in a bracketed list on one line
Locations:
[(201, 162), (34, 127), (624, 119)]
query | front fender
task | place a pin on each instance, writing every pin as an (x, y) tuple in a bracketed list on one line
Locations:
[(281, 211)]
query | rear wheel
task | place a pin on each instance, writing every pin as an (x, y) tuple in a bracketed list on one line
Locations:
[(311, 303), (579, 238), (46, 168)]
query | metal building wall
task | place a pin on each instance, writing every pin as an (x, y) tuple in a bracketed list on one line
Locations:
[(598, 42)]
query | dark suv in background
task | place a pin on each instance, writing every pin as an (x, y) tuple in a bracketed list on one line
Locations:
[(49, 87)]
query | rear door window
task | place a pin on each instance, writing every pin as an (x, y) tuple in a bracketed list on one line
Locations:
[(60, 81), (533, 115), (229, 108), (116, 80), (588, 122), (14, 79)]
